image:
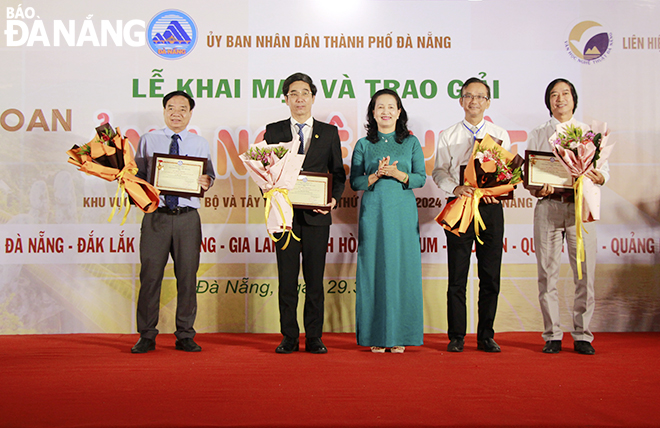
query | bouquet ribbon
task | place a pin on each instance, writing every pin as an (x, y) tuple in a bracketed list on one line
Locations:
[(288, 231), (459, 213), (478, 221), (121, 184), (580, 256)]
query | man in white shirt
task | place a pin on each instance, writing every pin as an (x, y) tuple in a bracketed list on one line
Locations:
[(554, 219), (454, 150)]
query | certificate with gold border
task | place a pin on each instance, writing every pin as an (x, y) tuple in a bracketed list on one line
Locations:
[(178, 175), (312, 190), (544, 167)]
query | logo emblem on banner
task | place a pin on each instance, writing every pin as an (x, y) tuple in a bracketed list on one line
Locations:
[(172, 34), (588, 42)]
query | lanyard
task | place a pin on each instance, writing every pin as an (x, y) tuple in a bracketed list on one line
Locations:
[(474, 134)]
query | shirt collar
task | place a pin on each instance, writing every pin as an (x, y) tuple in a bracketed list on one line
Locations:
[(471, 126), (169, 133), (554, 121), (309, 122)]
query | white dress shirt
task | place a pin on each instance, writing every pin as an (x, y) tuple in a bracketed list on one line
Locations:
[(454, 149), (307, 131)]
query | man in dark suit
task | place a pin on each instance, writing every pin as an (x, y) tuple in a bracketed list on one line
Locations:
[(322, 149)]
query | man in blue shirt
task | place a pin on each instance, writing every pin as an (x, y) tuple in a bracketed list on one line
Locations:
[(173, 229)]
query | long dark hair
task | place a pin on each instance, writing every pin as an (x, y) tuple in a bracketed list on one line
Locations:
[(401, 123)]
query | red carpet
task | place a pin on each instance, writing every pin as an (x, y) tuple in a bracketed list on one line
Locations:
[(237, 380)]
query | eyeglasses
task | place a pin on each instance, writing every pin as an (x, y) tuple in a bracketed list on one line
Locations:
[(478, 98), (296, 94)]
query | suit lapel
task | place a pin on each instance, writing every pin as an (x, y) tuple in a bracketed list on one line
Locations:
[(314, 140)]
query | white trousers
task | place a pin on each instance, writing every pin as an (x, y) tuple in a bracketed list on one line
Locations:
[(554, 220)]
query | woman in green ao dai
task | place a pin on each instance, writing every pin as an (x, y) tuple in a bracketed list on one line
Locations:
[(387, 164)]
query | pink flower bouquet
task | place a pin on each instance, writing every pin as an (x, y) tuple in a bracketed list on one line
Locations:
[(580, 150), (275, 169)]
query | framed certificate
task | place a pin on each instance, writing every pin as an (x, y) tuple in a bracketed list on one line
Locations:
[(499, 198), (312, 190), (178, 175), (542, 168)]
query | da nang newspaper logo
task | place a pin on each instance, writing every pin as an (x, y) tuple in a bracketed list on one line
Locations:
[(588, 42), (172, 34)]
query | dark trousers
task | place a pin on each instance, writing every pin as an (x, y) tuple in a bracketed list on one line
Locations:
[(489, 258), (161, 235), (313, 246)]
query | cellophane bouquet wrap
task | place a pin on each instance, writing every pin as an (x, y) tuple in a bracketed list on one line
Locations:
[(275, 169), (581, 149), (109, 156), (492, 171)]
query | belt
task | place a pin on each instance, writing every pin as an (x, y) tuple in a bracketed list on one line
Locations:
[(481, 202), (568, 198), (176, 211)]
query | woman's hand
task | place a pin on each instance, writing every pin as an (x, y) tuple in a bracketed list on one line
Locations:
[(392, 170)]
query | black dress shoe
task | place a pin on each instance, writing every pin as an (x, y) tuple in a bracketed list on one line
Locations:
[(488, 345), (583, 347), (287, 346), (455, 345), (552, 347), (143, 346), (187, 345), (315, 346)]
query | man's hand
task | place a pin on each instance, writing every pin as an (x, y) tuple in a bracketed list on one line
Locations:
[(468, 191), (544, 191), (490, 199), (461, 191), (596, 177), (330, 207), (204, 181)]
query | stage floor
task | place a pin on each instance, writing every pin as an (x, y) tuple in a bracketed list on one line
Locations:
[(92, 380)]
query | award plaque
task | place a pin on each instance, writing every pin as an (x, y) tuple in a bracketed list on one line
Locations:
[(313, 190), (503, 197), (178, 175), (542, 168)]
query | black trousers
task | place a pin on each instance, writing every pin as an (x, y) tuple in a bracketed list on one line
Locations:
[(312, 246), (489, 258), (161, 235)]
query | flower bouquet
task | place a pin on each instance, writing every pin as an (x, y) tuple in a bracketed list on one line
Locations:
[(492, 171), (579, 150), (109, 156), (275, 168)]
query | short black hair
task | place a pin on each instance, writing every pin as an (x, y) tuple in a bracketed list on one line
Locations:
[(296, 77), (551, 86), (180, 94), (472, 80)]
